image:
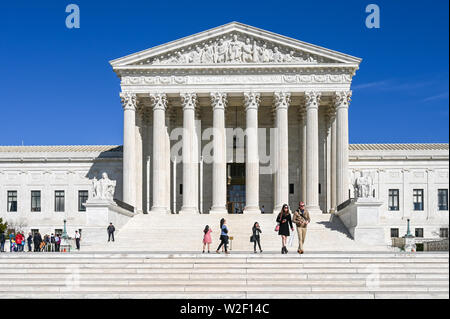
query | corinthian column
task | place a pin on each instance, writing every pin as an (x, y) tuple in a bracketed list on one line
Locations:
[(281, 103), (190, 154), (251, 153), (219, 182), (159, 103), (332, 118), (341, 102), (129, 102), (312, 151)]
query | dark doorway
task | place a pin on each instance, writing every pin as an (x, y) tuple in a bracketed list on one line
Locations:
[(235, 188)]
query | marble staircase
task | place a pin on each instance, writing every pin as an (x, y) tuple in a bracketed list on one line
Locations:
[(170, 232), (238, 275)]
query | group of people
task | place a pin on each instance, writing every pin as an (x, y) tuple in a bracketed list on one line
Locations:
[(35, 242), (284, 221)]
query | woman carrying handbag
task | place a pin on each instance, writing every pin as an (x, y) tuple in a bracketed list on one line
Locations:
[(284, 221)]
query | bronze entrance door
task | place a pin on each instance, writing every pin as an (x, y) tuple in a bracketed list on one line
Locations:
[(235, 188)]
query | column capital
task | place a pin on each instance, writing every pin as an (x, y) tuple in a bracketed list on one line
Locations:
[(159, 101), (312, 99), (341, 99), (281, 100), (218, 100), (128, 100), (251, 100), (188, 100)]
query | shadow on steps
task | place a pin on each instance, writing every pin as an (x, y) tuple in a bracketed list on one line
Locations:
[(335, 224)]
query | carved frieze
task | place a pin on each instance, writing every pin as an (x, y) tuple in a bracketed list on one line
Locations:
[(234, 48)]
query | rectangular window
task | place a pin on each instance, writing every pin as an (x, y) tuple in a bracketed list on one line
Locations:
[(443, 232), (394, 199), (12, 201), (394, 233), (419, 232), (35, 201), (418, 199), (58, 232), (59, 201), (443, 199), (34, 231), (82, 198), (181, 189), (291, 188)]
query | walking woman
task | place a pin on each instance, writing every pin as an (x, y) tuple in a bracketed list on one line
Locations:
[(284, 220), (223, 236), (256, 230), (207, 237)]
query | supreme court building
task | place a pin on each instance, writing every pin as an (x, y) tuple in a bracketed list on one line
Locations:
[(231, 120)]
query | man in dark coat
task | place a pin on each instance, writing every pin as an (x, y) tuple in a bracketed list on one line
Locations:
[(2, 242), (29, 241), (37, 239), (111, 229)]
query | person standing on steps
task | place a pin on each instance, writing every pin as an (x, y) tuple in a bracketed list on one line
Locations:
[(284, 221), (207, 237), (223, 236), (30, 241), (77, 239), (301, 219), (256, 230), (111, 229)]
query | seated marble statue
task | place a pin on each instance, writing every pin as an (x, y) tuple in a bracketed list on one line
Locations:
[(103, 188)]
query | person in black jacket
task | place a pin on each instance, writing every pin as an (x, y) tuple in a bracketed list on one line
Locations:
[(2, 242), (29, 241), (284, 220), (37, 239), (256, 230), (111, 229)]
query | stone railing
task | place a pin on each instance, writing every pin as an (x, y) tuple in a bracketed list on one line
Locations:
[(342, 205), (124, 205)]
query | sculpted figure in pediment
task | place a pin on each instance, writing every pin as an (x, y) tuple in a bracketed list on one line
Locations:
[(221, 50), (277, 55), (196, 56), (235, 50), (208, 55), (247, 51), (266, 54)]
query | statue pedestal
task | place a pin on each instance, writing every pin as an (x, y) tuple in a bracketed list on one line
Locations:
[(410, 244), (99, 213), (362, 219)]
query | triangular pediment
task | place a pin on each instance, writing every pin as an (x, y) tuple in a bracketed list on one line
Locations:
[(235, 43)]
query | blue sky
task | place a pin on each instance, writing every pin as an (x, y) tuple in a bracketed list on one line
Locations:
[(57, 86)]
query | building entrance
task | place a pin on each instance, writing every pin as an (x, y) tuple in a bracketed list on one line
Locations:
[(235, 188)]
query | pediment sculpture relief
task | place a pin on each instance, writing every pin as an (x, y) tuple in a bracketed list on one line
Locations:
[(235, 48)]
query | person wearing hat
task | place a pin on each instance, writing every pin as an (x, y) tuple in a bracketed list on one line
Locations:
[(111, 229), (301, 219)]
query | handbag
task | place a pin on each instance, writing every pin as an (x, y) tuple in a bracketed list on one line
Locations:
[(277, 227), (252, 238)]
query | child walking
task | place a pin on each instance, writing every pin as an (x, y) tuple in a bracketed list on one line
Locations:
[(206, 237)]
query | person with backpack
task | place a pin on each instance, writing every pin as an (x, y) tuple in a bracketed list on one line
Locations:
[(37, 240), (223, 236), (207, 237)]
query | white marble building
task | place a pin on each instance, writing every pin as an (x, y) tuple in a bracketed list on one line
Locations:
[(186, 104)]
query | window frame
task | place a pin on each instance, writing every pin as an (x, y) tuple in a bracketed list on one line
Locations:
[(420, 195), (420, 231), (8, 197), (38, 206), (394, 193), (444, 202), (397, 231), (60, 201), (81, 207)]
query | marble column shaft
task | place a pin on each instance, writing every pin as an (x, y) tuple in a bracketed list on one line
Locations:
[(219, 180), (312, 151), (129, 102), (159, 103), (252, 101), (190, 154), (333, 161), (281, 103), (341, 102)]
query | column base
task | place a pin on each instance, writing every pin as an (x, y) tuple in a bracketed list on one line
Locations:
[(218, 210), (160, 210), (252, 210), (189, 210), (314, 210)]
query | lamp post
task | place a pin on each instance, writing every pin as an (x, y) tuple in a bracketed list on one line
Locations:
[(410, 243), (65, 244)]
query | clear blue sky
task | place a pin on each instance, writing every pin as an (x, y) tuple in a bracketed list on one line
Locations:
[(57, 86)]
